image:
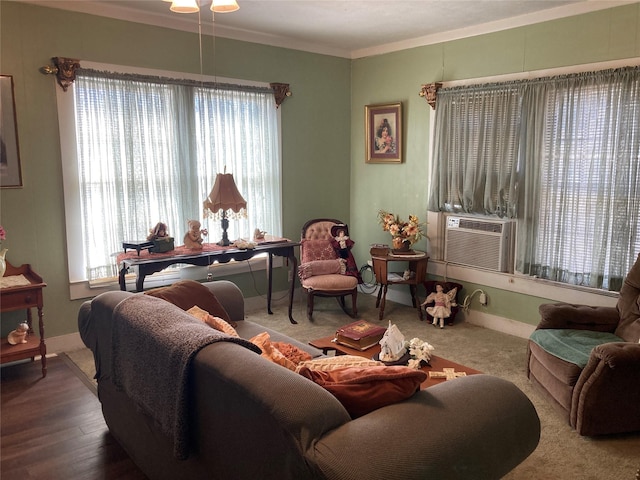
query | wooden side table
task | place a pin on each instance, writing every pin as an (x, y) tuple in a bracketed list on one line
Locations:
[(24, 297), (417, 266)]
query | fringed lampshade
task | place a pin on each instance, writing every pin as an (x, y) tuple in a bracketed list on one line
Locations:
[(225, 201), (224, 6)]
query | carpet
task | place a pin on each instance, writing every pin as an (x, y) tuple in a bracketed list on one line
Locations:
[(561, 454)]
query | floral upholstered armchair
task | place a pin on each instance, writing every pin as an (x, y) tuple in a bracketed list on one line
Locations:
[(327, 267), (587, 361)]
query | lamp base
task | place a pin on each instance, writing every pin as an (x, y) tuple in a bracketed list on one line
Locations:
[(224, 242)]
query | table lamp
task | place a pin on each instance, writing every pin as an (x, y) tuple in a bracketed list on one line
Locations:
[(223, 202)]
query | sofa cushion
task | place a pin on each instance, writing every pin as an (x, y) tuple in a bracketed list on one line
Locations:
[(187, 293), (362, 390), (214, 322), (271, 353), (339, 361), (331, 282), (322, 267), (312, 250), (573, 346), (293, 353)]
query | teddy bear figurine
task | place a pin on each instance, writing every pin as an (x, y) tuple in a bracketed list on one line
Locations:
[(19, 335), (193, 238)]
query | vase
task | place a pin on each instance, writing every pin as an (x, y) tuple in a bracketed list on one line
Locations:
[(3, 262), (402, 246)]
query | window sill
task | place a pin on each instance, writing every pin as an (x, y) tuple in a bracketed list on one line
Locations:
[(555, 291)]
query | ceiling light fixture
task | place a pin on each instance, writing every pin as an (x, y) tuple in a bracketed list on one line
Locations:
[(191, 6)]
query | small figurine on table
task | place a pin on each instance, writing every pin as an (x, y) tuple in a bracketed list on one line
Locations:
[(442, 304), (258, 234), (392, 345), (19, 335), (159, 231), (193, 238)]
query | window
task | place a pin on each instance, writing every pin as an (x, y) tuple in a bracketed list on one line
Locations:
[(147, 149), (570, 174)]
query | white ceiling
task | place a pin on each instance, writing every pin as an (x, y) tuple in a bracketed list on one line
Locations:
[(346, 28)]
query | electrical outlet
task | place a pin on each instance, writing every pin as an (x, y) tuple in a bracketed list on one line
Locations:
[(483, 298), (290, 275)]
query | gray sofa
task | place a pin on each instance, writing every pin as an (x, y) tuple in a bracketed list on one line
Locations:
[(250, 418)]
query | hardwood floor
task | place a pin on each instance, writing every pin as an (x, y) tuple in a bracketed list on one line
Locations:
[(52, 428)]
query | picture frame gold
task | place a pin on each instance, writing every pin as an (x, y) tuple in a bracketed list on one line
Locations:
[(10, 170), (383, 133)]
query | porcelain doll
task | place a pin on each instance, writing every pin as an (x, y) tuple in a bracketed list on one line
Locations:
[(193, 238), (442, 304)]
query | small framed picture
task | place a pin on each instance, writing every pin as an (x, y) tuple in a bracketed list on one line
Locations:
[(10, 172), (383, 133)]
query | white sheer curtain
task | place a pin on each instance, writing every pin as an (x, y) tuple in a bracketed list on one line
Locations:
[(561, 154), (149, 149)]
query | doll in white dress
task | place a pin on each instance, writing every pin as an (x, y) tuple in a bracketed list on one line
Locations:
[(442, 304)]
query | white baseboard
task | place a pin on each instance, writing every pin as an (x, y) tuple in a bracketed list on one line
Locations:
[(474, 317), (499, 324)]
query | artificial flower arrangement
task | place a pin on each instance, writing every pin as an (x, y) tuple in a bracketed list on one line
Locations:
[(394, 349), (400, 230), (420, 352)]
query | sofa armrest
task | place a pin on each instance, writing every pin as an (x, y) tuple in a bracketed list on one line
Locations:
[(618, 354), (578, 317), (475, 427), (607, 394), (230, 296), (94, 326)]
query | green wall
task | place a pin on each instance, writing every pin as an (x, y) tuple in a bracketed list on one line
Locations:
[(34, 215), (605, 35), (329, 95)]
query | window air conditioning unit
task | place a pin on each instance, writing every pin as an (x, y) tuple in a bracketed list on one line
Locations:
[(480, 242)]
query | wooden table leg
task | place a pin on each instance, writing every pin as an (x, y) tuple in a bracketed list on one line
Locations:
[(123, 272), (383, 302), (269, 281), (294, 265), (415, 300), (379, 295), (412, 290), (43, 346)]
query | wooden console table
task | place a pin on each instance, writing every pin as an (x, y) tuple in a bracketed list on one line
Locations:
[(417, 266), (24, 297), (148, 263)]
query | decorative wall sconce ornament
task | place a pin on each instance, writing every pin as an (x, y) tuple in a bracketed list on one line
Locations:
[(281, 91), (64, 69), (429, 91)]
